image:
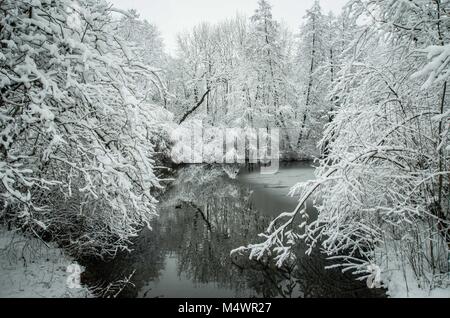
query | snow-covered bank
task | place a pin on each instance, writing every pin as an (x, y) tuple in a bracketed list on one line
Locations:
[(30, 269), (401, 286), (402, 281)]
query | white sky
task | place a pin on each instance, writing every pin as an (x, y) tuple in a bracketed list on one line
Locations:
[(174, 16)]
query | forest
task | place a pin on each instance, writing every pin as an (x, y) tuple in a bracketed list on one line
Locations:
[(94, 115)]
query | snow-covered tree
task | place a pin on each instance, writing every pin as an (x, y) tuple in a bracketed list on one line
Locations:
[(384, 187), (146, 43), (237, 73), (317, 64), (76, 157), (266, 56)]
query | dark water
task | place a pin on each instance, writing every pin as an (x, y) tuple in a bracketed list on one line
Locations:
[(205, 214)]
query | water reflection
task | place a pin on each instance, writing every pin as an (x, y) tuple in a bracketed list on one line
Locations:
[(203, 216)]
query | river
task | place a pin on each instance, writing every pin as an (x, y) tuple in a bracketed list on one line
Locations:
[(204, 214)]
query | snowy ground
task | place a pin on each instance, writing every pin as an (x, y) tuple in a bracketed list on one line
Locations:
[(30, 269), (401, 286), (401, 282)]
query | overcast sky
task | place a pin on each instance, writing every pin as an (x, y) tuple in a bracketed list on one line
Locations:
[(174, 16)]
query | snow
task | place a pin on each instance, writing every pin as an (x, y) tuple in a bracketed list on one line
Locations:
[(30, 269), (437, 68), (401, 282), (398, 288)]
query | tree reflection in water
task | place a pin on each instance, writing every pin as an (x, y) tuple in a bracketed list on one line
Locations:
[(203, 216)]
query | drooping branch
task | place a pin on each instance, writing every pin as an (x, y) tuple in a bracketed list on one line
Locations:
[(282, 225), (202, 100)]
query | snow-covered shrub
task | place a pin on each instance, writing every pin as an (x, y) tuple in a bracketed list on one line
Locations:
[(76, 125)]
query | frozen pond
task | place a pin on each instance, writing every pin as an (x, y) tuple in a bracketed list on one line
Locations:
[(205, 214)]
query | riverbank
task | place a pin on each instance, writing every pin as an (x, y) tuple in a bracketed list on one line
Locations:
[(30, 268)]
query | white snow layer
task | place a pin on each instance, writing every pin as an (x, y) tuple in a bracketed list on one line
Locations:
[(398, 277), (30, 269)]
